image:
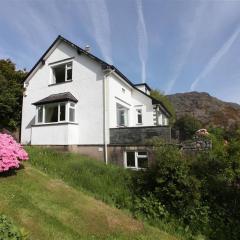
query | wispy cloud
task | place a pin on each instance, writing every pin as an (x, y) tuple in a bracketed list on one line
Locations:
[(216, 58), (102, 29), (189, 32), (142, 39)]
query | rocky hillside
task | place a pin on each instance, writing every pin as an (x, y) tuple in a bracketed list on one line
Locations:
[(209, 110)]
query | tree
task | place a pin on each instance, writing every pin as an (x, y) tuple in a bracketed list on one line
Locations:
[(11, 89), (158, 95), (187, 126)]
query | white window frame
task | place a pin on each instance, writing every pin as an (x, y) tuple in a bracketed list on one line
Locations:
[(141, 113), (125, 110), (137, 156), (53, 81), (74, 108), (67, 120)]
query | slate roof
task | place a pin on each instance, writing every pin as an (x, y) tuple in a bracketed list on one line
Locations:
[(145, 84), (60, 97)]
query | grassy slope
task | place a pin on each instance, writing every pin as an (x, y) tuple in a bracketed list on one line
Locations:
[(50, 209)]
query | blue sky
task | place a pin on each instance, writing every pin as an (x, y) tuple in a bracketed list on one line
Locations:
[(175, 46)]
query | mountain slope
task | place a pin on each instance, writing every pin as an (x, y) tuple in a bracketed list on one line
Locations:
[(209, 110), (50, 209)]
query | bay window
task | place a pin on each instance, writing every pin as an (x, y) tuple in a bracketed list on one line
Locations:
[(56, 113)]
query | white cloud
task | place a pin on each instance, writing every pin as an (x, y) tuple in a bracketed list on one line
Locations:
[(142, 39), (216, 58), (102, 29)]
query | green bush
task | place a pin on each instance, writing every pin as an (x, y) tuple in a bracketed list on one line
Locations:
[(187, 126), (149, 207), (8, 231)]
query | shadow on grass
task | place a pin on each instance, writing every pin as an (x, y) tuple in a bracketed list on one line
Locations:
[(11, 172)]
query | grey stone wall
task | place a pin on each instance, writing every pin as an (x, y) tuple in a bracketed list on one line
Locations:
[(139, 135)]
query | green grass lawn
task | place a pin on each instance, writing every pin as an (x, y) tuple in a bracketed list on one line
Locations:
[(48, 208)]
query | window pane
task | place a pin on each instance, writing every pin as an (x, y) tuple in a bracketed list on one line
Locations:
[(121, 118), (69, 74), (139, 118), (142, 153), (71, 114), (131, 159), (40, 114), (62, 112), (51, 113), (59, 73), (72, 104), (143, 162)]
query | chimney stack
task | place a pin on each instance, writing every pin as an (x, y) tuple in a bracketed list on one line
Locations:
[(87, 48)]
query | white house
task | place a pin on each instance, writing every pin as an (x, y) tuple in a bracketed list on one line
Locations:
[(75, 100)]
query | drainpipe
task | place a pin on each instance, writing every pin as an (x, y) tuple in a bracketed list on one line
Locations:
[(105, 105)]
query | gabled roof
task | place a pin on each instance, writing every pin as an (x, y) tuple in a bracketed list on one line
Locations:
[(60, 97), (104, 65)]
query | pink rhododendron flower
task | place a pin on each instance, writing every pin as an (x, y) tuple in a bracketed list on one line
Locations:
[(11, 153)]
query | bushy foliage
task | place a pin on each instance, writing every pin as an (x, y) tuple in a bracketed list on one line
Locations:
[(149, 207), (11, 153), (171, 185), (11, 89), (8, 231), (219, 172), (187, 126)]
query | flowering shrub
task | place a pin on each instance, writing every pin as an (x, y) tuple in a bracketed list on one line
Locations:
[(11, 153)]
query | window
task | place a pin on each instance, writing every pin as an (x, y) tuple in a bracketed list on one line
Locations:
[(160, 118), (136, 160), (72, 112), (123, 90), (139, 116), (165, 120), (56, 112), (40, 114), (62, 112), (51, 113), (62, 73), (122, 116)]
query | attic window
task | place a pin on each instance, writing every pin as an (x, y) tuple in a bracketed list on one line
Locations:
[(62, 73)]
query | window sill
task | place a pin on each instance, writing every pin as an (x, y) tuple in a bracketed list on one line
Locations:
[(54, 84), (54, 123), (135, 168)]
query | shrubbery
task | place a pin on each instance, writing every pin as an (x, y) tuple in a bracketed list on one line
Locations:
[(11, 153), (201, 191), (8, 231)]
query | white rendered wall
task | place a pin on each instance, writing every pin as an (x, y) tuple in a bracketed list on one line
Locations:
[(86, 87), (131, 99), (56, 134)]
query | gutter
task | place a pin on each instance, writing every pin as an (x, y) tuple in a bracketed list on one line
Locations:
[(105, 110)]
